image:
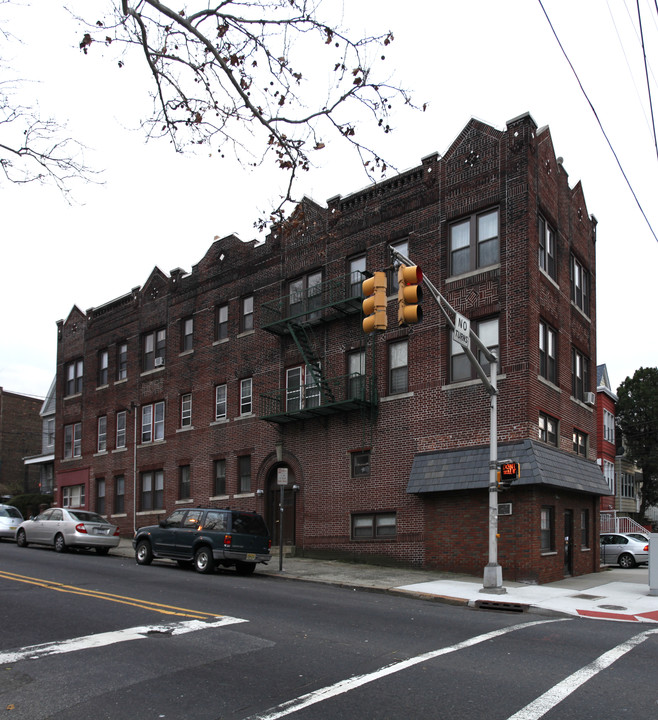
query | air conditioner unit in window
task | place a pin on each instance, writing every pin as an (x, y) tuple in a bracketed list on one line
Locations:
[(590, 398), (504, 509), (159, 362)]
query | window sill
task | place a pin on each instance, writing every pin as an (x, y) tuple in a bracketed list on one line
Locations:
[(548, 383), (220, 497), (119, 515), (151, 444), (468, 383), (221, 421), (154, 370), (551, 280), (159, 511), (187, 501), (120, 450), (548, 553), (221, 342), (122, 380), (397, 396), (102, 387), (472, 273), (183, 353), (246, 416), (75, 395), (245, 333), (100, 453), (244, 495), (185, 429)]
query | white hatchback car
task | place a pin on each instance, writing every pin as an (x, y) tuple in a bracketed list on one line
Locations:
[(65, 528), (10, 519)]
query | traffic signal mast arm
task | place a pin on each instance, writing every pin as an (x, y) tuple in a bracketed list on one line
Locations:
[(443, 304)]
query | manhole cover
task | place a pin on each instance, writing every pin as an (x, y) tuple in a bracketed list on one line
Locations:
[(612, 607)]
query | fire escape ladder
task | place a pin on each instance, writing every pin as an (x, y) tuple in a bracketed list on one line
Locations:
[(304, 342)]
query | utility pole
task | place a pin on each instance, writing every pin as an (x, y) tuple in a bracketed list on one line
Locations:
[(463, 334)]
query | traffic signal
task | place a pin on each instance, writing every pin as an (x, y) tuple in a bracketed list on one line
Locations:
[(374, 302), (409, 294), (508, 473)]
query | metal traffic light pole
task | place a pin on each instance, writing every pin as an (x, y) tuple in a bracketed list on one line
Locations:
[(493, 573)]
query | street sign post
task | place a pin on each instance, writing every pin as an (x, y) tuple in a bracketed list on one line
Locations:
[(282, 482), (462, 332)]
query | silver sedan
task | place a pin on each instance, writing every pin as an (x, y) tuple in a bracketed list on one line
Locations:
[(624, 549), (65, 528)]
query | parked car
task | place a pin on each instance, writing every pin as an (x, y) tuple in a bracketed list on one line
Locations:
[(65, 528), (639, 536), (624, 549), (206, 538), (10, 519)]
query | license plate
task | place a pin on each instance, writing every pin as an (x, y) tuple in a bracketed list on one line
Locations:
[(251, 556), (100, 531), (13, 527)]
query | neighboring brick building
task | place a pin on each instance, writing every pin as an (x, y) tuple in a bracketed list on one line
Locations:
[(20, 436), (606, 448), (255, 361)]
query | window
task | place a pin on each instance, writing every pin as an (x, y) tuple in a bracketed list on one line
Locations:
[(153, 422), (184, 482), (375, 525), (219, 482), (247, 316), (153, 345), (579, 285), (73, 440), (547, 352), (579, 442), (398, 378), (186, 410), (460, 366), (547, 540), (547, 248), (301, 389), (608, 426), (548, 429), (474, 243), (102, 434), (73, 496), (609, 475), (74, 371), (356, 370), (305, 296), (401, 247), (244, 474), (221, 327), (122, 361), (220, 402), (584, 528), (152, 490), (187, 334), (49, 432), (579, 374), (119, 494), (627, 485), (360, 463), (103, 363), (357, 270), (121, 429), (245, 396), (100, 496)]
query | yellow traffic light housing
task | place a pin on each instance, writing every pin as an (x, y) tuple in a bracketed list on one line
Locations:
[(374, 302), (409, 294)]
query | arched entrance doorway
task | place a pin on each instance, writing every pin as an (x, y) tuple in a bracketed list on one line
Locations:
[(273, 515)]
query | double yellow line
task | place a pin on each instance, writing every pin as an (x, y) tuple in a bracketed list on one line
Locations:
[(99, 595)]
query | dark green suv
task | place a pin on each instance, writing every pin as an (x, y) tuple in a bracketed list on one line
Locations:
[(206, 538)]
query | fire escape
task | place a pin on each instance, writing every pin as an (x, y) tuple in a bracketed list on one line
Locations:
[(298, 316)]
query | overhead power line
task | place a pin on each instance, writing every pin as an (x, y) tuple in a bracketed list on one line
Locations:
[(607, 139)]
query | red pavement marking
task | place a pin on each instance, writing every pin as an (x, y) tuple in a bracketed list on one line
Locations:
[(607, 615), (653, 615)]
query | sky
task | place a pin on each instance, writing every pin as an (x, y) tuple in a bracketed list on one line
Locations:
[(469, 59)]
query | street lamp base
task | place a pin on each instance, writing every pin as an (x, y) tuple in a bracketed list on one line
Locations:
[(493, 579)]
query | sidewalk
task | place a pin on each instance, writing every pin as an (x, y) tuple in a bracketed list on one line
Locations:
[(612, 594)]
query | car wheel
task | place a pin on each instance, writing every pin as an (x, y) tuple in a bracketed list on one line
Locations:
[(102, 550), (21, 538), (244, 568), (60, 545), (626, 560), (203, 560), (143, 553)]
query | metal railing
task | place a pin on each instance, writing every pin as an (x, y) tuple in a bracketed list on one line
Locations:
[(611, 522)]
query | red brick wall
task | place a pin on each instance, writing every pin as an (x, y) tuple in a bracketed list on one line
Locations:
[(20, 437)]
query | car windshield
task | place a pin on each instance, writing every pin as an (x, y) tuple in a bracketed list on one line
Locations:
[(86, 516), (11, 512)]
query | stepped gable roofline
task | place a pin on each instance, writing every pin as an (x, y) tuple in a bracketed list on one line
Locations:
[(226, 252), (472, 126), (75, 315), (468, 469)]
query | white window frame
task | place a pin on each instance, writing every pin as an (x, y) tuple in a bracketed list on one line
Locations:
[(608, 426), (153, 417), (186, 410), (220, 402), (102, 434), (121, 429), (246, 396)]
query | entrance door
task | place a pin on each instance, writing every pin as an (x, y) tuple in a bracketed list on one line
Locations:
[(274, 516), (568, 542)]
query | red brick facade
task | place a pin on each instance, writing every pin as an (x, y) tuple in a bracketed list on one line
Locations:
[(505, 184), (20, 436)]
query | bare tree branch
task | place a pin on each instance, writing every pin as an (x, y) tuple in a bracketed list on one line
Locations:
[(268, 78)]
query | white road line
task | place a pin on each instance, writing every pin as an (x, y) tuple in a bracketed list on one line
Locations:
[(34, 652), (539, 707), (352, 683)]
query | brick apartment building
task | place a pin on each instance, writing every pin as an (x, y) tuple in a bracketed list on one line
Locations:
[(20, 436), (197, 388)]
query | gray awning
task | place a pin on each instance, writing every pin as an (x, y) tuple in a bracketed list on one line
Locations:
[(468, 469)]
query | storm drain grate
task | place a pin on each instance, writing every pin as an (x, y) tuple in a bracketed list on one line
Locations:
[(499, 605)]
